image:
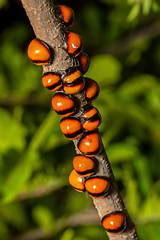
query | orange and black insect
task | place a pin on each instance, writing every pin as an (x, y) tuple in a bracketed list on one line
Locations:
[(63, 104), (97, 186), (90, 118), (114, 222), (89, 144), (91, 89), (66, 14), (52, 81), (76, 181), (84, 62), (73, 82), (39, 52), (73, 44), (84, 166), (71, 127)]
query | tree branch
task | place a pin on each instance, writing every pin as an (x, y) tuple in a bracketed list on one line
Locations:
[(49, 29)]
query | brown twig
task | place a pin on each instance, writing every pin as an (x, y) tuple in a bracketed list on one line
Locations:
[(49, 29)]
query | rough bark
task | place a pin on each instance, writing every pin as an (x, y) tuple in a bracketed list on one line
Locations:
[(49, 28)]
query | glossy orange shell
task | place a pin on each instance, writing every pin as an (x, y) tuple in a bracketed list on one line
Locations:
[(114, 222), (76, 181), (83, 165), (90, 126), (74, 88), (67, 14), (90, 144), (51, 81), (63, 104), (84, 62), (90, 119), (91, 89), (97, 186), (71, 127), (73, 82), (89, 113), (39, 52), (74, 43), (72, 76)]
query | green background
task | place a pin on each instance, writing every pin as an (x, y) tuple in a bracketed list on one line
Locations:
[(122, 39)]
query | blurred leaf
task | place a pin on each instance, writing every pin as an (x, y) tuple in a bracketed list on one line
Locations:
[(12, 134), (145, 231), (105, 69), (80, 238), (120, 152), (3, 3), (150, 207), (155, 6), (43, 217), (76, 198), (48, 132), (18, 177), (146, 6), (138, 85), (131, 2), (22, 81), (135, 10), (68, 234), (3, 84), (4, 231), (143, 174), (93, 231), (131, 189), (92, 16), (109, 132), (9, 213)]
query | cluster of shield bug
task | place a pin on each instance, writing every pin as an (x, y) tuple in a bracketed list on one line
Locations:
[(83, 128)]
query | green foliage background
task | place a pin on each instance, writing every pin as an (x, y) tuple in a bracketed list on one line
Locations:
[(122, 39)]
